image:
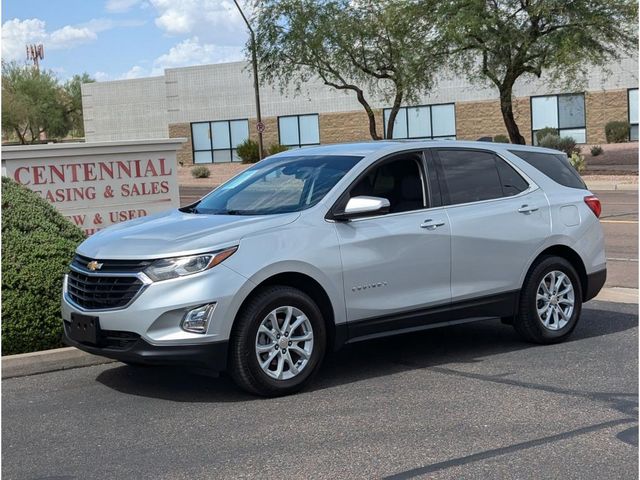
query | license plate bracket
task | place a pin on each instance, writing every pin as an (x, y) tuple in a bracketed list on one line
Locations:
[(84, 328)]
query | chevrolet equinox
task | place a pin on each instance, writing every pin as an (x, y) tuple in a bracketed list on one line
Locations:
[(318, 247)]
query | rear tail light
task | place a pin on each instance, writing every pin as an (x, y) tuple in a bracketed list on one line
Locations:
[(594, 204)]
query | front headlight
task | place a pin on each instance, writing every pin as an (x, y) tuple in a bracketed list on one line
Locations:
[(167, 268)]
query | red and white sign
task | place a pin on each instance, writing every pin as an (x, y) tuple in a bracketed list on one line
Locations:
[(94, 188), (260, 127)]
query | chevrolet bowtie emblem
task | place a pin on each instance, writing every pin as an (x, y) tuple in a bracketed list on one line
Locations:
[(94, 265)]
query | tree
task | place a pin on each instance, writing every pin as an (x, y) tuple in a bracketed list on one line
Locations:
[(375, 49), (34, 103), (503, 40), (73, 90)]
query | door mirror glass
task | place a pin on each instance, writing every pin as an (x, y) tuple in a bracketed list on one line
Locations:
[(364, 206)]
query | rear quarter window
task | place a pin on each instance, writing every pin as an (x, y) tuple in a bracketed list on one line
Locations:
[(554, 166)]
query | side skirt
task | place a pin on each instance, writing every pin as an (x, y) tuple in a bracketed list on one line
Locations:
[(500, 305)]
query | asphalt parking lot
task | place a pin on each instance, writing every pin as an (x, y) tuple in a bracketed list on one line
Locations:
[(463, 402), (467, 402)]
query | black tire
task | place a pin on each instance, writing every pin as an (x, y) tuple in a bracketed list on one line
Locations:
[(243, 363), (527, 323)]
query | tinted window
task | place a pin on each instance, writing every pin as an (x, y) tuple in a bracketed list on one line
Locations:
[(554, 166), (399, 181), (470, 176), (512, 182), (277, 185)]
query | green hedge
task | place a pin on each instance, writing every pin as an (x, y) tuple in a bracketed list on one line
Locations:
[(37, 246), (617, 131), (248, 151)]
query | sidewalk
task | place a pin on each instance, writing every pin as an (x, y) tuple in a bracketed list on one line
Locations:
[(611, 182)]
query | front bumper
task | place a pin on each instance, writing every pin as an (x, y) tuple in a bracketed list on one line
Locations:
[(157, 312), (131, 348), (148, 330)]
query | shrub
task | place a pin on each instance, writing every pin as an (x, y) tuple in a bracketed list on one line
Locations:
[(617, 132), (577, 161), (38, 244), (200, 171), (248, 151), (501, 139), (596, 150), (540, 134), (277, 148), (564, 144)]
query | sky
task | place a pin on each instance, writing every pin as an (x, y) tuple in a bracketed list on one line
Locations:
[(120, 39)]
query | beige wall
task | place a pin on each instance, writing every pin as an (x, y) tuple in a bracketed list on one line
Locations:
[(184, 155), (603, 107), (473, 120), (347, 126), (270, 134)]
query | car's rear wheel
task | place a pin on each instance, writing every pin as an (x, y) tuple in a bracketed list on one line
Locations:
[(278, 342), (550, 302)]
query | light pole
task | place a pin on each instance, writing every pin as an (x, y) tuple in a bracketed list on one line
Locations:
[(256, 85)]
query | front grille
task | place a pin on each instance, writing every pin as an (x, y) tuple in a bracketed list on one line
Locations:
[(95, 292), (119, 266)]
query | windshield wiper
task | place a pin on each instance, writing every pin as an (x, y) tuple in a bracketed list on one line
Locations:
[(235, 212)]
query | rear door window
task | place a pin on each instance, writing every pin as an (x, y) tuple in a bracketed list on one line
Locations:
[(512, 182), (554, 166), (472, 176)]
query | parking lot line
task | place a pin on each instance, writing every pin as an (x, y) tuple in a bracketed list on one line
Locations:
[(618, 221)]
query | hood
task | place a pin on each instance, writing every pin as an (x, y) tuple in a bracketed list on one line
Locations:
[(175, 233)]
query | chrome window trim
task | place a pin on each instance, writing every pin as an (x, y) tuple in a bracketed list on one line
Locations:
[(533, 186), (395, 214)]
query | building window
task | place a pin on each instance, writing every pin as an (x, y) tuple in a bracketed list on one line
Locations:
[(298, 130), (565, 113), (632, 98), (216, 142), (425, 121)]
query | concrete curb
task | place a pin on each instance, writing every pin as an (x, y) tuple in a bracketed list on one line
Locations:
[(618, 295), (48, 361)]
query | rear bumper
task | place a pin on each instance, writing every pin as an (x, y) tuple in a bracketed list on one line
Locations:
[(595, 282), (209, 356)]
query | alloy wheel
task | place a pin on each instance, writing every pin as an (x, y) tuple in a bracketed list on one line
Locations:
[(555, 300), (284, 343)]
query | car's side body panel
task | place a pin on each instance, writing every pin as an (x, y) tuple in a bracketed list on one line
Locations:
[(491, 242), (392, 264)]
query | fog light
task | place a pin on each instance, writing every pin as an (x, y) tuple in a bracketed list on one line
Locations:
[(197, 319)]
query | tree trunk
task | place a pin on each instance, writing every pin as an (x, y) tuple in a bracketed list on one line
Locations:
[(373, 128), (20, 136), (506, 107), (397, 101)]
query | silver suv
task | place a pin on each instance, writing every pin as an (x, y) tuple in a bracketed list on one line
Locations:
[(318, 247)]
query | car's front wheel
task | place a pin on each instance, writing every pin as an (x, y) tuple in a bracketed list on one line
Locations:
[(550, 302), (278, 342)]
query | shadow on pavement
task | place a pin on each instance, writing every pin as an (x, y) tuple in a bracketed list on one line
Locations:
[(433, 348)]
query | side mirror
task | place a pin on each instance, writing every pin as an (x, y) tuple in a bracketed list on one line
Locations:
[(363, 206)]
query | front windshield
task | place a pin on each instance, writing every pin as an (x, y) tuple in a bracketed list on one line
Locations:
[(277, 185)]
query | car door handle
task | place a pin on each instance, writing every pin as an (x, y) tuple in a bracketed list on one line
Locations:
[(429, 225), (527, 209)]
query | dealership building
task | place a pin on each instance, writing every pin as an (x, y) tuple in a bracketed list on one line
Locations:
[(213, 107)]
